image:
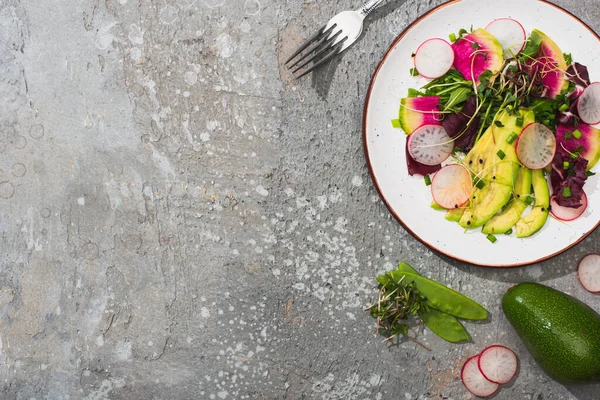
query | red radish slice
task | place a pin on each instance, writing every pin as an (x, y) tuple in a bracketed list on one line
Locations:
[(451, 186), (536, 146), (430, 144), (588, 105), (498, 364), (474, 380), (510, 34), (567, 213), (434, 58), (589, 272)]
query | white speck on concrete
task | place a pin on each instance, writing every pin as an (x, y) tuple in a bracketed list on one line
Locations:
[(357, 181)]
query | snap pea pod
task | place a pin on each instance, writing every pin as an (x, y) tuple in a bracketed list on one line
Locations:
[(444, 325), (438, 296)]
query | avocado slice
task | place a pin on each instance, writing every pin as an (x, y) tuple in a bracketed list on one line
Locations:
[(536, 219), (561, 333), (507, 218), (455, 214)]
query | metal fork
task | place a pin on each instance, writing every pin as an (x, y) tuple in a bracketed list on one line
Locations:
[(333, 38)]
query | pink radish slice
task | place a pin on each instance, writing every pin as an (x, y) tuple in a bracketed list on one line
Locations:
[(430, 144), (434, 58), (498, 364), (567, 213), (588, 105), (474, 380), (589, 272), (510, 34), (451, 186), (536, 146)]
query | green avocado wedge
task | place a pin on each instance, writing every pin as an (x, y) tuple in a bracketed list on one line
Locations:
[(561, 333), (536, 219)]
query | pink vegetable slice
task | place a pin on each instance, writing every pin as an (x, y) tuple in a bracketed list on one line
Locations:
[(418, 111), (451, 186), (434, 58), (588, 105), (474, 380), (476, 52), (498, 364), (550, 66), (587, 144), (430, 145), (510, 34), (536, 146), (589, 272), (567, 213)]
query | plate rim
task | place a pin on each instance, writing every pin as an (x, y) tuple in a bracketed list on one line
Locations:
[(370, 166)]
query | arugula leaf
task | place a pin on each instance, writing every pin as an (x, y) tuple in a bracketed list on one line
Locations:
[(532, 47)]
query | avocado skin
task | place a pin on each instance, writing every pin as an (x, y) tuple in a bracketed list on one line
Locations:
[(561, 333)]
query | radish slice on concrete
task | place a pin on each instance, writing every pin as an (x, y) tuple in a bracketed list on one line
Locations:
[(474, 380), (451, 186), (510, 34), (589, 272), (536, 146), (434, 58), (588, 105), (498, 364), (430, 144), (567, 213)]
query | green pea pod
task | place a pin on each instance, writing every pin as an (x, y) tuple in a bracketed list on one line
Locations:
[(444, 325), (438, 296), (406, 267)]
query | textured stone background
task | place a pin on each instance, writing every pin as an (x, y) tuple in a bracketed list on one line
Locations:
[(181, 220)]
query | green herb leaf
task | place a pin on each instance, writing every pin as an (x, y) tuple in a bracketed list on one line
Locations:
[(532, 47), (412, 93), (414, 72), (462, 32), (568, 58), (475, 45), (499, 124)]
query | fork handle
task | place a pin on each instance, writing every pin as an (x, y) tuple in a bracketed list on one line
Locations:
[(369, 7)]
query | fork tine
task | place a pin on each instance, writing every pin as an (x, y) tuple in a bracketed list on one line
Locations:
[(316, 44), (318, 51), (307, 43), (335, 51)]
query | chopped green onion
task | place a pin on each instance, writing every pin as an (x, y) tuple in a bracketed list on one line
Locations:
[(566, 164), (501, 154), (508, 232), (452, 37), (529, 200), (480, 184), (499, 124), (520, 122), (564, 107), (566, 192), (396, 123), (511, 138), (491, 238), (577, 134), (414, 72), (427, 180)]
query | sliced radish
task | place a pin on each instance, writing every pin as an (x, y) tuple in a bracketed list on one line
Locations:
[(536, 146), (510, 34), (567, 213), (589, 272), (451, 186), (588, 105), (474, 380), (498, 364), (434, 58), (430, 144)]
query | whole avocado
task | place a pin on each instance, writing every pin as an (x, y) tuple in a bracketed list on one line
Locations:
[(561, 333)]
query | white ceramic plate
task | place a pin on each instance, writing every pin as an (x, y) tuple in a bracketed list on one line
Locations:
[(407, 197)]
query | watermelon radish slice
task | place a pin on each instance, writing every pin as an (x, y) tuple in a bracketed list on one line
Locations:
[(536, 146), (430, 144), (474, 380), (476, 52), (498, 364), (567, 213), (589, 272), (550, 64), (418, 111), (434, 58), (510, 34), (587, 145), (588, 105), (451, 186)]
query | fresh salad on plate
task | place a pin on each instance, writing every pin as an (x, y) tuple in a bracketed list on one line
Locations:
[(505, 130)]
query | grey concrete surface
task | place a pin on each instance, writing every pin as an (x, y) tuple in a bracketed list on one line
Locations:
[(179, 219)]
